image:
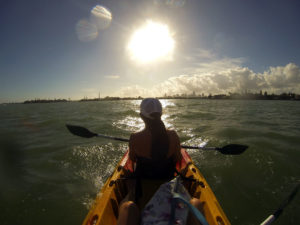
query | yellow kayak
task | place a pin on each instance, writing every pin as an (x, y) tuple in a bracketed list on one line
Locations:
[(105, 208)]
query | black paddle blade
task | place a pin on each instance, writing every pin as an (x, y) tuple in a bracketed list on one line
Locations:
[(80, 131), (232, 149)]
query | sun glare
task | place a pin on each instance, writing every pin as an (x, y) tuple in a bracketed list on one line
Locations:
[(152, 42)]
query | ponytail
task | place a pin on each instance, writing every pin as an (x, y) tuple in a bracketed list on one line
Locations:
[(160, 140)]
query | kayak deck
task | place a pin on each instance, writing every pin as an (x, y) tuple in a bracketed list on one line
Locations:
[(106, 206)]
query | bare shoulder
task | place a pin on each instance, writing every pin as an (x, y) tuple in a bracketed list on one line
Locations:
[(172, 134), (134, 136), (138, 135)]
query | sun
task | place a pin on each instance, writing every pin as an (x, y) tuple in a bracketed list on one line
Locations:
[(152, 42)]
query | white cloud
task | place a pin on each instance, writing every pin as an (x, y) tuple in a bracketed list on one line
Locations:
[(205, 61), (236, 79), (283, 77), (134, 91)]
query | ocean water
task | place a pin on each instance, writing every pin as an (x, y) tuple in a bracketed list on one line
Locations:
[(48, 176)]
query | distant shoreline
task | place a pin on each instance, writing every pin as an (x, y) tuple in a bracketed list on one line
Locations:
[(231, 96)]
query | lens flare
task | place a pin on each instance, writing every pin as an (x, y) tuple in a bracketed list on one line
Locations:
[(101, 17)]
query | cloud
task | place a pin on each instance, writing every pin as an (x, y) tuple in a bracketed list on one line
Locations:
[(237, 79), (206, 61), (112, 77), (134, 91), (283, 77)]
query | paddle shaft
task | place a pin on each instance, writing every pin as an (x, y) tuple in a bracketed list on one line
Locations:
[(127, 140), (231, 149), (113, 138), (278, 212)]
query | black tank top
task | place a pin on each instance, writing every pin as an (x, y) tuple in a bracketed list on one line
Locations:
[(155, 169)]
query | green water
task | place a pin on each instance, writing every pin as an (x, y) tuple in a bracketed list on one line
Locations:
[(48, 176)]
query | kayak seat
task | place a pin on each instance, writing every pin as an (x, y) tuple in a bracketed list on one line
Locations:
[(147, 182), (150, 174), (155, 169)]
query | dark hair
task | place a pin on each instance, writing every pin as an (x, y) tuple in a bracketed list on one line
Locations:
[(160, 140)]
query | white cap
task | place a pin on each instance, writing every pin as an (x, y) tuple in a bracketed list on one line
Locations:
[(150, 105)]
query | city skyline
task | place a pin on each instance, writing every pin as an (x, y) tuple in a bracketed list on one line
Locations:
[(246, 95)]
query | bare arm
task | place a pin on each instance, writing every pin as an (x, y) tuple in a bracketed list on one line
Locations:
[(175, 145)]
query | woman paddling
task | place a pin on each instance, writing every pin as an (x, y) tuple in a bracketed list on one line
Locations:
[(155, 150)]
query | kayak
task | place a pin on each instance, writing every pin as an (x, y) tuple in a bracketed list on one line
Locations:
[(105, 209)]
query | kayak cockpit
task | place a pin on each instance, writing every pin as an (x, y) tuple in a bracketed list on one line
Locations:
[(105, 209)]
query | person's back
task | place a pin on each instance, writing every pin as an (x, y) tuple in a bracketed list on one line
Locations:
[(154, 149), (141, 152), (140, 144)]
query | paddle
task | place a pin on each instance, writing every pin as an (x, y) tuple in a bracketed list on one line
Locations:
[(231, 149), (280, 209)]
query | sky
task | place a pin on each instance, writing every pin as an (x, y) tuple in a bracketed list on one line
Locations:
[(62, 49)]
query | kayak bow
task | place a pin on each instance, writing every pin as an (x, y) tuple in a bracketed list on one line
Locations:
[(105, 208)]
